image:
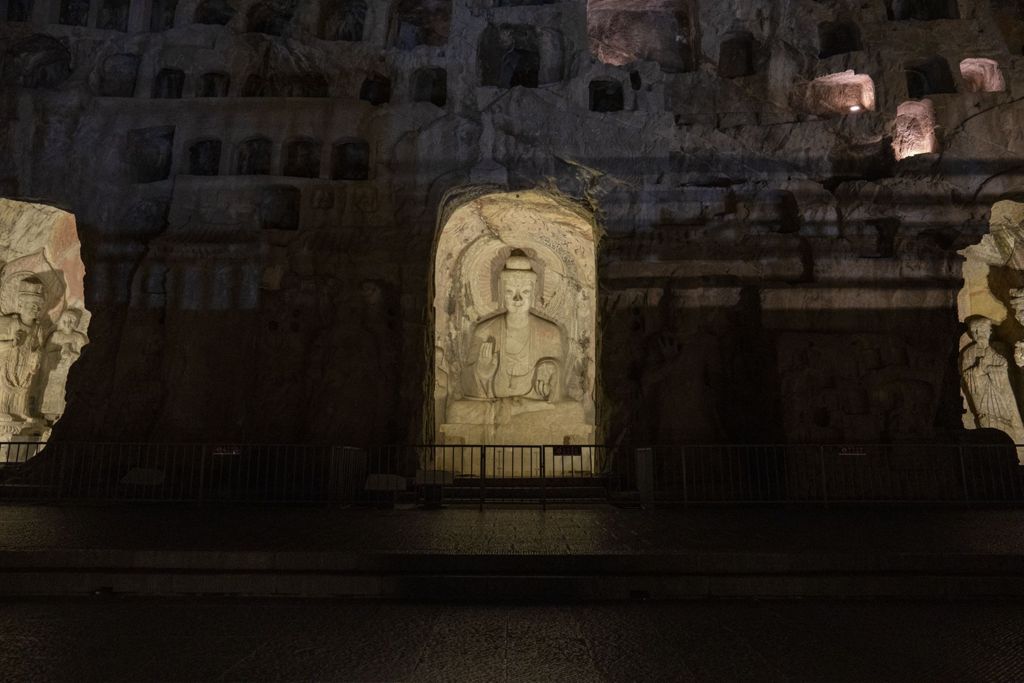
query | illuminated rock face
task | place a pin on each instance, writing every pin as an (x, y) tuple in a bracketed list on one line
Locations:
[(515, 323), (260, 189), (43, 320), (982, 75)]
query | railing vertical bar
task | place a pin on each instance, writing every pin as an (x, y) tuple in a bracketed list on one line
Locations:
[(824, 478)]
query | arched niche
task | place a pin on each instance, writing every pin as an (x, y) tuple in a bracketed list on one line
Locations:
[(621, 32), (505, 374), (914, 129), (43, 320)]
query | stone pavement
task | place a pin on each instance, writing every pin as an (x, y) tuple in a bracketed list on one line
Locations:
[(596, 529), (598, 552), (109, 640)]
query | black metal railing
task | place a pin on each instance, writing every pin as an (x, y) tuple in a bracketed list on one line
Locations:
[(690, 474)]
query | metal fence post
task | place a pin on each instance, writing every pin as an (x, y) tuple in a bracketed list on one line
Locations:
[(682, 458), (543, 490), (963, 475), (202, 473), (483, 468), (645, 475), (824, 478)]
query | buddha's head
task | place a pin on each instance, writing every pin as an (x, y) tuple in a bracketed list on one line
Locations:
[(30, 299), (980, 329), (518, 282)]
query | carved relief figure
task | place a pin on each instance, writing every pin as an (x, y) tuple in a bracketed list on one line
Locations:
[(19, 350), (63, 348), (985, 372), (514, 329), (514, 366), (516, 353)]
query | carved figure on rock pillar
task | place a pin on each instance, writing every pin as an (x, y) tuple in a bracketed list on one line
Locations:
[(19, 353), (985, 371), (993, 272), (43, 320), (62, 348)]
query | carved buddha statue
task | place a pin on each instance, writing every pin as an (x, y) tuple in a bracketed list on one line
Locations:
[(514, 365)]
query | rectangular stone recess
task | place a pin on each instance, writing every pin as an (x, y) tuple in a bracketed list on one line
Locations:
[(149, 153)]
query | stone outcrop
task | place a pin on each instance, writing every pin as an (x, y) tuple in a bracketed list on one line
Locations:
[(43, 320)]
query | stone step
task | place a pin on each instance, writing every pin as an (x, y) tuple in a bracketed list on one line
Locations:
[(513, 576), (589, 493)]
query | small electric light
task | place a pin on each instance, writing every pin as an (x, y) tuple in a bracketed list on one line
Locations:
[(855, 107)]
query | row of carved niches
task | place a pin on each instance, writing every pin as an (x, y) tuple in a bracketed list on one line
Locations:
[(410, 22), (149, 157), (43, 321), (514, 323), (991, 307)]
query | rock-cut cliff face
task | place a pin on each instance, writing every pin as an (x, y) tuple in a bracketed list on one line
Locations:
[(777, 190)]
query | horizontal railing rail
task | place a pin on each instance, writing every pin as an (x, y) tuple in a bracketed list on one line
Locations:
[(433, 473)]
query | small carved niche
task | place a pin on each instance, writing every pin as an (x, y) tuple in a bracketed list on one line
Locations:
[(213, 85), (168, 84), (302, 158), (982, 75), (117, 77), (270, 17), (216, 12), (509, 56), (255, 86), (301, 84), (930, 76), (350, 160), (19, 10), (343, 20), (736, 55), (376, 89), (922, 10), (38, 61), (279, 208), (914, 129), (430, 84), (73, 12), (606, 96), (253, 157), (838, 38), (420, 22), (625, 31), (114, 15), (837, 94), (204, 157), (149, 153), (162, 16)]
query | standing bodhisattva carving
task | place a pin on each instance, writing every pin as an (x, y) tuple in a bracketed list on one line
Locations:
[(985, 370), (20, 344), (63, 348)]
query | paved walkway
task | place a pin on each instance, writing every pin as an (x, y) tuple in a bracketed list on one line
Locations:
[(601, 530), (287, 640)]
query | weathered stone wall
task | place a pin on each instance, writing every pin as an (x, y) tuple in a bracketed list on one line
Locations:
[(258, 212)]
